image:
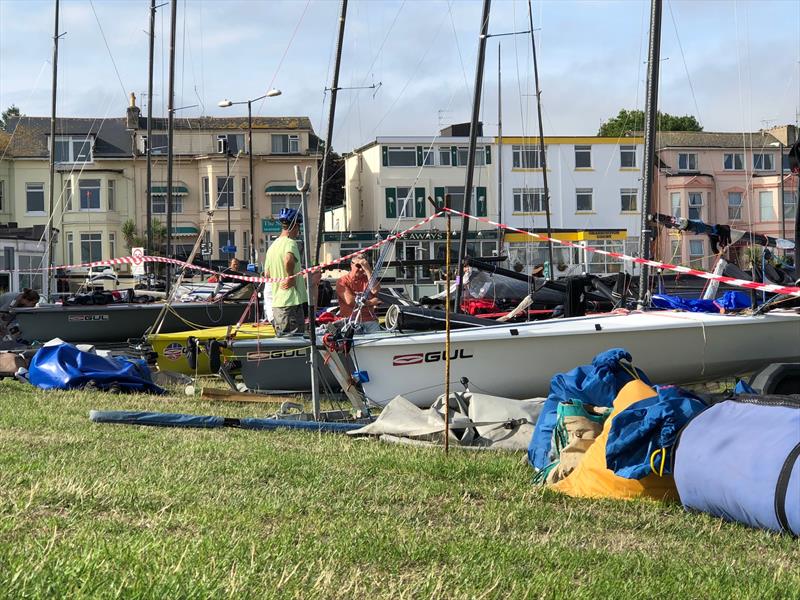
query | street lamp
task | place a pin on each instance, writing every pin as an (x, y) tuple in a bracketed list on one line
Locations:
[(225, 104)]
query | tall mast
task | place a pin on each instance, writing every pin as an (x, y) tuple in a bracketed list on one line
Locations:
[(51, 207), (329, 138), (542, 153), (473, 140), (170, 130), (651, 106), (499, 149), (148, 193)]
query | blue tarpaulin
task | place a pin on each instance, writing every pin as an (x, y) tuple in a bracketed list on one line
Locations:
[(64, 367), (596, 384), (729, 301), (647, 427)]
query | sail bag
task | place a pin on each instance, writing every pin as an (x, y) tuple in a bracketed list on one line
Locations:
[(740, 460)]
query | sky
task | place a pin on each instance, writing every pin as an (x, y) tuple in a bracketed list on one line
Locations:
[(733, 64)]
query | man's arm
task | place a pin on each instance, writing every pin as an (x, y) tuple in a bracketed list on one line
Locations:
[(346, 296), (288, 263)]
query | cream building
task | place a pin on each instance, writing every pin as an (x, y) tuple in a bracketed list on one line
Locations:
[(100, 180)]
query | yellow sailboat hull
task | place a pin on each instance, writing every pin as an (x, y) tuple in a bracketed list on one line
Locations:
[(171, 347)]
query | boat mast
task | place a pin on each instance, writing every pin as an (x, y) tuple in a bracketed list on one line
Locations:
[(542, 153), (473, 139), (651, 108), (170, 131), (51, 207), (148, 193), (499, 150), (328, 140)]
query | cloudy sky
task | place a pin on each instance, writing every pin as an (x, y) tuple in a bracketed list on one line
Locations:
[(735, 65)]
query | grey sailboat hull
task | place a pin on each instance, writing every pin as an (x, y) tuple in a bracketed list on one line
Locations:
[(116, 323), (277, 365)]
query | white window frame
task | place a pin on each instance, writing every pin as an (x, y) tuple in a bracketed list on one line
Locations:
[(523, 154), (160, 201), (480, 156), (695, 205), (583, 149), (292, 143), (528, 201), (627, 192), (767, 158), (99, 240), (584, 192), (222, 143), (428, 157), (68, 194), (675, 207), (445, 151), (627, 151), (733, 159), (290, 200), (227, 191), (71, 140), (206, 185), (28, 189), (761, 195), (70, 248), (687, 161), (404, 150), (736, 215), (245, 192), (790, 208), (400, 199), (99, 187), (112, 244), (695, 257), (143, 146)]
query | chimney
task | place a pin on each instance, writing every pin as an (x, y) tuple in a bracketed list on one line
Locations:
[(132, 117)]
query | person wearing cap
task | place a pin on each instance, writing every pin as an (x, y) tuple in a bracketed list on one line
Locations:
[(283, 261)]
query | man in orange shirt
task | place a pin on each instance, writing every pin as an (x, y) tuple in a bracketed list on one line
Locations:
[(350, 287)]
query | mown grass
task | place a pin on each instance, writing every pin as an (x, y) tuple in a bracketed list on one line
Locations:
[(90, 510)]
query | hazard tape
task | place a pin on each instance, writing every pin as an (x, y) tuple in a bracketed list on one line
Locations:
[(743, 283), (139, 260)]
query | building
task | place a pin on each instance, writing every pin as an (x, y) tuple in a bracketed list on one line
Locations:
[(101, 193), (21, 257), (594, 186), (389, 182), (742, 180), (211, 169)]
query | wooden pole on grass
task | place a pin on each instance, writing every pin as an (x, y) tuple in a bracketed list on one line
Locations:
[(447, 329)]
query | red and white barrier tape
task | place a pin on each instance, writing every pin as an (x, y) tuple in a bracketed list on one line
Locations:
[(139, 260), (743, 283)]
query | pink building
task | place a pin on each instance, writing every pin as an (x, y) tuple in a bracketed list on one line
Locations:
[(727, 178)]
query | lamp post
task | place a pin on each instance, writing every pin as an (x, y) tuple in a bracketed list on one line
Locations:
[(225, 104)]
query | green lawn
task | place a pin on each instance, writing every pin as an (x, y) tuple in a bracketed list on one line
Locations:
[(121, 511)]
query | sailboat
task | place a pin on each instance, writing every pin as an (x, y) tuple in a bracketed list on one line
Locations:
[(518, 360)]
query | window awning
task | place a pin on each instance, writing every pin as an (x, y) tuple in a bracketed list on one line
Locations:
[(283, 188), (178, 189), (185, 230)]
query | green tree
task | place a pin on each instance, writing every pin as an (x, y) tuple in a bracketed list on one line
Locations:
[(629, 121), (11, 111)]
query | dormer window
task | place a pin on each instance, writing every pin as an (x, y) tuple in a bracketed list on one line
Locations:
[(73, 149)]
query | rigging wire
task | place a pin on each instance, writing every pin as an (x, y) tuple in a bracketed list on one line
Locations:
[(683, 58), (108, 49)]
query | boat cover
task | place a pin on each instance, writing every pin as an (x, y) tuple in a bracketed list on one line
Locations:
[(730, 301), (65, 367), (475, 420), (596, 384), (642, 436), (740, 460)]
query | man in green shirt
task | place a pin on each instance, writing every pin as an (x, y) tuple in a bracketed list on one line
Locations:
[(283, 260)]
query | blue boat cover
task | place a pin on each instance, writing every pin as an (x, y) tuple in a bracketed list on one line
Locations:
[(647, 427), (596, 384), (740, 460), (729, 301), (64, 367)]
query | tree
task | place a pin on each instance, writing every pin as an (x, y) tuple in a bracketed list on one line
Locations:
[(629, 121), (131, 235), (10, 112)]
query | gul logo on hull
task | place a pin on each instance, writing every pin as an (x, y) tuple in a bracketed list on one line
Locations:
[(87, 318), (402, 360), (275, 354)]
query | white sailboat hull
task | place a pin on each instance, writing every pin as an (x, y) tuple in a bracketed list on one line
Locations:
[(518, 361)]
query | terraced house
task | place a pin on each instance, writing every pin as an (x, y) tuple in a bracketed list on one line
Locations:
[(100, 181)]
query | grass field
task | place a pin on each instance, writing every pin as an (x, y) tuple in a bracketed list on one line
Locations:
[(90, 510)]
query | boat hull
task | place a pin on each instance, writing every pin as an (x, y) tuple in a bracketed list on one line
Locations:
[(518, 361), (117, 323), (278, 365), (171, 347)]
